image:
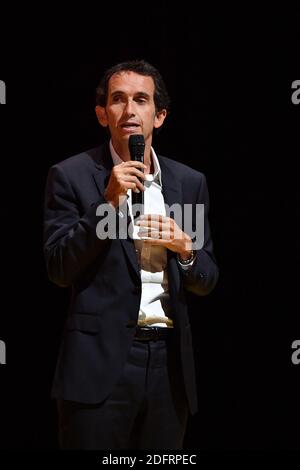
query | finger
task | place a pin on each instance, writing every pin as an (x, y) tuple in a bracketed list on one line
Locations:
[(132, 186), (155, 235), (164, 225), (133, 171), (135, 180), (151, 224), (148, 232), (155, 217), (135, 185), (134, 163)]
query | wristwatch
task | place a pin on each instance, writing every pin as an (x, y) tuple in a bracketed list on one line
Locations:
[(189, 260)]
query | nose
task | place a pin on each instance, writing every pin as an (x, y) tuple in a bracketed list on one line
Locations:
[(129, 108)]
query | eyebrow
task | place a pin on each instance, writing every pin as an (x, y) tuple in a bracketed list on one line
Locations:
[(139, 93)]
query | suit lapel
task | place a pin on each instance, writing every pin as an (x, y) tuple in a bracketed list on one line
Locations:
[(102, 172), (172, 195), (171, 190), (103, 166)]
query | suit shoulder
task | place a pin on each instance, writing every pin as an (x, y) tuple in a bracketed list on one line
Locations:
[(79, 161), (182, 170)]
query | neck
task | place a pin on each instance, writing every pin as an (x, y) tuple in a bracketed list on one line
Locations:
[(150, 167)]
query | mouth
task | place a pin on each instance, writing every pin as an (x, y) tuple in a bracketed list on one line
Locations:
[(129, 126)]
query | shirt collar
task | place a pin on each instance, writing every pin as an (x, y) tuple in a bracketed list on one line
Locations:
[(157, 171)]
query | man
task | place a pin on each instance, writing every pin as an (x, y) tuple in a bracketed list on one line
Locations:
[(125, 375)]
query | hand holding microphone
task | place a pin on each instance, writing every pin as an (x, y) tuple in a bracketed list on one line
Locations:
[(128, 175)]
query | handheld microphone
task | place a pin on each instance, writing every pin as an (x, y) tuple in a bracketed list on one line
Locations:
[(136, 145)]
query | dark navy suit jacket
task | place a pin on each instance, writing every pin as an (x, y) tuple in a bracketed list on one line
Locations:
[(105, 279)]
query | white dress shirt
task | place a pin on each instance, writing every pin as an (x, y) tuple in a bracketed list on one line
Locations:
[(155, 299)]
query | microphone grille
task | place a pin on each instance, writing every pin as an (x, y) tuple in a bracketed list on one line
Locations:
[(136, 141)]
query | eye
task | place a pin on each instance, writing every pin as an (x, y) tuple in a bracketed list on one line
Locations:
[(116, 99)]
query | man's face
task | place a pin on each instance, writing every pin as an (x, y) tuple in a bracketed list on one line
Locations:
[(130, 108)]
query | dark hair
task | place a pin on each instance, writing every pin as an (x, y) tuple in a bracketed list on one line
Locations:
[(161, 97)]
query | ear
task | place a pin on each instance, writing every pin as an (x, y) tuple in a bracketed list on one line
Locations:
[(101, 116), (160, 116)]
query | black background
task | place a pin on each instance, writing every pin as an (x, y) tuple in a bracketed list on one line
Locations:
[(229, 75)]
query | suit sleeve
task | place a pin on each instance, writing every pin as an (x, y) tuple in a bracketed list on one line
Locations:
[(202, 276), (70, 240)]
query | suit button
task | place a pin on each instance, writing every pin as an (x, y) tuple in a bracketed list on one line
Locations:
[(136, 289)]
